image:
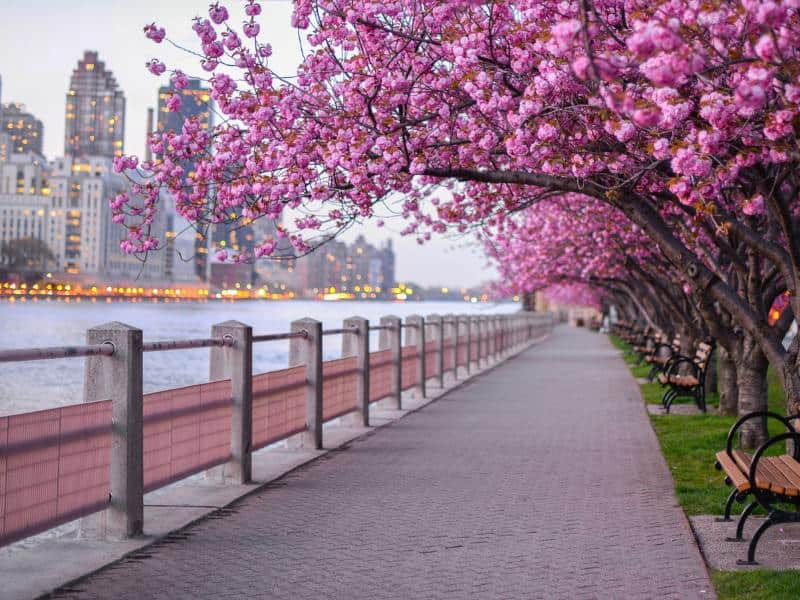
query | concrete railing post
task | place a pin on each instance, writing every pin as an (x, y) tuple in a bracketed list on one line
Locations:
[(236, 363), (487, 340), (514, 335), (490, 321), (467, 320), (436, 328), (119, 378), (481, 326), (308, 351), (415, 336), (487, 323), (450, 331), (357, 344), (500, 324), (503, 336), (392, 339)]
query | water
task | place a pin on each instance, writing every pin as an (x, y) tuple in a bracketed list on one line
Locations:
[(38, 385)]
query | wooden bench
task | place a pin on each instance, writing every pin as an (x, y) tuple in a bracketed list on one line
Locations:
[(686, 377), (644, 343), (661, 354), (772, 481), (628, 332)]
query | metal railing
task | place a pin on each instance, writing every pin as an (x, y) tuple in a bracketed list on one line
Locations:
[(237, 409), (272, 337), (55, 352), (166, 345)]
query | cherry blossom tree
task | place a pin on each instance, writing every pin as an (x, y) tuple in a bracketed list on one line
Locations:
[(680, 114)]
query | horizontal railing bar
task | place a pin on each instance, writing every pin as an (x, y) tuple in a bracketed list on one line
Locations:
[(338, 331), (186, 344), (271, 337), (381, 327), (54, 352)]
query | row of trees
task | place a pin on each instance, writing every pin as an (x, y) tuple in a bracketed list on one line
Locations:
[(647, 149)]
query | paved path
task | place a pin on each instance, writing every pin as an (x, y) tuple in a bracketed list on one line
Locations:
[(540, 479)]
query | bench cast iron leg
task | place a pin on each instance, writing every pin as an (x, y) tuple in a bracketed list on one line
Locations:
[(740, 525), (751, 550), (728, 507)]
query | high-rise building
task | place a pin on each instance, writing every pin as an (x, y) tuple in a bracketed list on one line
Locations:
[(195, 102), (358, 268), (26, 208), (5, 147), (23, 131), (80, 189), (182, 236), (95, 114), (5, 142)]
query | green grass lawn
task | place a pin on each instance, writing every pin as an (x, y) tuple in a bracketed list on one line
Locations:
[(689, 443)]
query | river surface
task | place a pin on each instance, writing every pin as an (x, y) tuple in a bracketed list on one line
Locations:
[(37, 385)]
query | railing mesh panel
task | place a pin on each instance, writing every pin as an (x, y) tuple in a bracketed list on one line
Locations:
[(380, 375), (279, 405), (409, 375), (448, 354), (431, 359), (462, 350), (186, 430), (339, 381), (54, 467)]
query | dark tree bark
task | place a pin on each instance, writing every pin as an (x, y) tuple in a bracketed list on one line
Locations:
[(728, 388), (751, 377), (712, 375)]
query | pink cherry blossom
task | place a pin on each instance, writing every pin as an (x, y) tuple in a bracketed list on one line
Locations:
[(156, 67)]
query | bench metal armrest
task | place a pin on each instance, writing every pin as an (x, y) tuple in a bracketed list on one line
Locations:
[(781, 437), (676, 361), (675, 356), (756, 415), (660, 346)]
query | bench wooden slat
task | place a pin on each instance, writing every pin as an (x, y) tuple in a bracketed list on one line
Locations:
[(743, 460), (733, 471), (771, 473), (791, 469), (772, 476), (792, 479)]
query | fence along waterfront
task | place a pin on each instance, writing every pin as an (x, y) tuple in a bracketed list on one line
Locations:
[(60, 464)]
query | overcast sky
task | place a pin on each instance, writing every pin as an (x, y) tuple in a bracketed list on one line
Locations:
[(42, 40)]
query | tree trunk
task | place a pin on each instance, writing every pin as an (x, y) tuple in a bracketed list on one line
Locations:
[(791, 372), (712, 377), (751, 376), (529, 302), (687, 349), (728, 389)]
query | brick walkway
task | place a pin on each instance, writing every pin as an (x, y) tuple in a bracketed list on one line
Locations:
[(540, 479)]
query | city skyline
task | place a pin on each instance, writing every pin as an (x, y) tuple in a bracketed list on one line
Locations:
[(124, 50)]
